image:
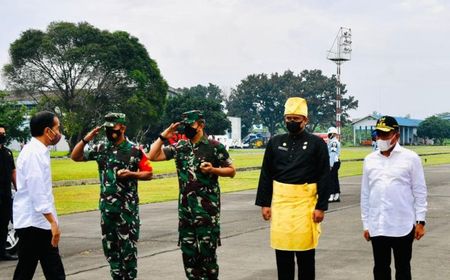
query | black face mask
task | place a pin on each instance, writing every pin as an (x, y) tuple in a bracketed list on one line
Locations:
[(112, 134), (190, 132), (2, 139), (294, 127)]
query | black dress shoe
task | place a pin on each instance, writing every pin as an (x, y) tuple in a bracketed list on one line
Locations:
[(8, 257)]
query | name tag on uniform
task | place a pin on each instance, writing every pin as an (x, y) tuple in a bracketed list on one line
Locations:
[(283, 148)]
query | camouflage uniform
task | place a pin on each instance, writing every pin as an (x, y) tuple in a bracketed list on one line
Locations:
[(198, 205), (119, 204)]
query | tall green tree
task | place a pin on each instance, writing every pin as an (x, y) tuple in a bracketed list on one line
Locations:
[(81, 72), (205, 98), (434, 127), (260, 98), (12, 115)]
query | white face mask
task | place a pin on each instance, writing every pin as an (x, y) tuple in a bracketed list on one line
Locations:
[(385, 145)]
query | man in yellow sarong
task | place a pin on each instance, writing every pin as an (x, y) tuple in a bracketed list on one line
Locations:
[(293, 192)]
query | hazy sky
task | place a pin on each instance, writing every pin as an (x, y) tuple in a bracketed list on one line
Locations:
[(399, 65)]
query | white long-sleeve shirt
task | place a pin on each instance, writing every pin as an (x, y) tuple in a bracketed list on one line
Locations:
[(393, 192), (34, 196)]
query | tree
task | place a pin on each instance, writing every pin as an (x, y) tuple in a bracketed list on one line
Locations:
[(207, 99), (434, 128), (241, 102), (12, 115), (320, 92), (260, 99), (445, 115), (346, 135), (81, 73)]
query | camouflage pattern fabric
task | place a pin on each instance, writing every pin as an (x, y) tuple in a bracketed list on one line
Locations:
[(111, 119), (120, 233), (119, 205), (198, 205), (191, 116)]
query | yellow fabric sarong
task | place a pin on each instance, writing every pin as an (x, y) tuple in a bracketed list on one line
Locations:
[(292, 227)]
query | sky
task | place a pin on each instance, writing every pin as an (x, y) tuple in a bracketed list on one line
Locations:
[(399, 66)]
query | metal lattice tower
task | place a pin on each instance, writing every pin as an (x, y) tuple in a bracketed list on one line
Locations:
[(339, 53)]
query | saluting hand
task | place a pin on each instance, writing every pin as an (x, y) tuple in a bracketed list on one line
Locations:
[(168, 133), (91, 135)]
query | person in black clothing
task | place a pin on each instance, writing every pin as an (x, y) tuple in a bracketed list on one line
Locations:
[(7, 175), (293, 192)]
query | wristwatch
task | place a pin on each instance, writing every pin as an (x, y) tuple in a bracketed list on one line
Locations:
[(162, 138), (84, 141), (420, 223)]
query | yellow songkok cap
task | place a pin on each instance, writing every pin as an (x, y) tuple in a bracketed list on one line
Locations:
[(296, 106)]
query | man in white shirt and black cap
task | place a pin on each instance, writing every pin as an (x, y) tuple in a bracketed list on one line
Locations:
[(393, 201), (34, 212)]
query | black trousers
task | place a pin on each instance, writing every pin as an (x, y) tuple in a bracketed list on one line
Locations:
[(5, 217), (34, 245), (334, 178), (402, 248), (305, 263)]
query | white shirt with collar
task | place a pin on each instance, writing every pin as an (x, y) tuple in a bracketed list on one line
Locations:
[(34, 196), (393, 192)]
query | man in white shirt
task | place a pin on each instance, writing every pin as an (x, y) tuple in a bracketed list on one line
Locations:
[(34, 212), (393, 201)]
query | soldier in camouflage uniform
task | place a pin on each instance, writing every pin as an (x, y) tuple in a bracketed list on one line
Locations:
[(121, 163), (199, 163)]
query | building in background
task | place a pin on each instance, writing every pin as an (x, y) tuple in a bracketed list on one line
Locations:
[(363, 128)]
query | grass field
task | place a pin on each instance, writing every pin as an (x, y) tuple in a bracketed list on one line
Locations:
[(85, 198), (66, 169)]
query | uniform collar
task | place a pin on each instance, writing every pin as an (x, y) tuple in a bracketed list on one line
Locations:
[(111, 144), (297, 136), (203, 140)]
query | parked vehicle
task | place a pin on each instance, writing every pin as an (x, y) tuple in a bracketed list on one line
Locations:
[(254, 140)]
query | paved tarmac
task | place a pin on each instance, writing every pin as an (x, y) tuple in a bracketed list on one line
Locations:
[(245, 252)]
